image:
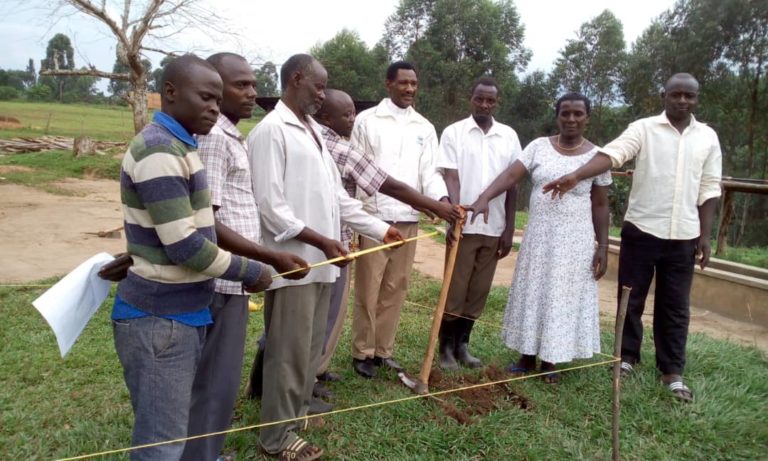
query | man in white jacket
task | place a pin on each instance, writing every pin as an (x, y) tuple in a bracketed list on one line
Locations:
[(298, 187), (404, 144)]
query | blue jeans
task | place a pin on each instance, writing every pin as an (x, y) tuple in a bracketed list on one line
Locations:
[(159, 359)]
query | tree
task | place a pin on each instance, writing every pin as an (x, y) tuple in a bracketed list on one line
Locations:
[(266, 80), (352, 67), (58, 55), (592, 64), (136, 26), (156, 82), (31, 74), (122, 88), (461, 40)]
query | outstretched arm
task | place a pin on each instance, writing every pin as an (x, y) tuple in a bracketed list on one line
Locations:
[(505, 181), (408, 195), (600, 163)]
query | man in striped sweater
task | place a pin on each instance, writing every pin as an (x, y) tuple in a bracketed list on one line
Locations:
[(163, 305)]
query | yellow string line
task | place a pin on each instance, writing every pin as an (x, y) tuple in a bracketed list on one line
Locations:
[(487, 322), (357, 254), (343, 410)]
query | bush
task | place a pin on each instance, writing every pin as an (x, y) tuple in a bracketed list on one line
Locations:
[(39, 93), (8, 92)]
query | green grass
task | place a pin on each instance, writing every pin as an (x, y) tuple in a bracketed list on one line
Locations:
[(756, 256), (55, 408), (48, 167), (108, 123)]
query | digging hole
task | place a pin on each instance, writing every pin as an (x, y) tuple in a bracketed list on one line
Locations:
[(464, 406)]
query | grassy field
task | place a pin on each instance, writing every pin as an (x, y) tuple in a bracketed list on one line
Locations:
[(55, 408), (108, 123)]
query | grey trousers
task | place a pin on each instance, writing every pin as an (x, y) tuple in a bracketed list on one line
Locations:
[(295, 319), (217, 381), (337, 313), (159, 359)]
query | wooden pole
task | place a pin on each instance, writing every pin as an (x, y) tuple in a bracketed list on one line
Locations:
[(725, 222), (618, 335), (426, 366)]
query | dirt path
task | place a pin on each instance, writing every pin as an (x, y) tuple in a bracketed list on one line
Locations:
[(429, 260), (43, 235)]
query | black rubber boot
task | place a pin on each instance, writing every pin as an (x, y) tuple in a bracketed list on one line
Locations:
[(463, 330), (447, 360), (255, 384)]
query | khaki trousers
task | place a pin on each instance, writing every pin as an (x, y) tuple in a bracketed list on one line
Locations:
[(472, 276), (295, 318), (381, 283)]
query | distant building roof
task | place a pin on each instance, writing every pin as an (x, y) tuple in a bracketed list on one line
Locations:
[(269, 103)]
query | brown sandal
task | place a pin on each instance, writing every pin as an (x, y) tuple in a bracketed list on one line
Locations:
[(301, 450)]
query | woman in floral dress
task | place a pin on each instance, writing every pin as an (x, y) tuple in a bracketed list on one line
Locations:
[(552, 311)]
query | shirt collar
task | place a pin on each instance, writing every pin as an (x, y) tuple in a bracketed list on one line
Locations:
[(170, 124), (471, 124), (662, 119), (228, 127), (329, 133), (387, 108)]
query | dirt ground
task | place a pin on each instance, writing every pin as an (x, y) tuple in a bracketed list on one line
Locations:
[(44, 235)]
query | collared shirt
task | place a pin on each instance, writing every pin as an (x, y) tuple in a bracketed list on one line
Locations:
[(479, 158), (674, 174), (297, 185), (405, 146), (225, 159), (356, 171)]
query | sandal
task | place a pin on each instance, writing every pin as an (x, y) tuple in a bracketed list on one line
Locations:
[(301, 450), (680, 391), (551, 378), (517, 370), (626, 369)]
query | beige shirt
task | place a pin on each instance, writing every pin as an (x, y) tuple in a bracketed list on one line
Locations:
[(479, 158), (674, 174), (404, 144), (297, 184)]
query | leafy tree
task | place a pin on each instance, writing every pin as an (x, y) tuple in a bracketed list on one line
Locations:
[(352, 67), (8, 92), (266, 80), (121, 88), (592, 64), (461, 40), (58, 55), (39, 92), (156, 80), (31, 74)]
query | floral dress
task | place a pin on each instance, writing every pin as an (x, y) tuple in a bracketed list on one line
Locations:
[(552, 309)]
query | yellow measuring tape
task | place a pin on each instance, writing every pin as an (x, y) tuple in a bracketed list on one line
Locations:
[(357, 254)]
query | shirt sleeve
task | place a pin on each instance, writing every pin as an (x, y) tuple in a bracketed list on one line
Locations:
[(266, 155), (162, 184), (603, 179), (711, 174), (217, 161), (626, 146), (364, 172), (528, 155), (432, 184), (352, 214), (447, 157)]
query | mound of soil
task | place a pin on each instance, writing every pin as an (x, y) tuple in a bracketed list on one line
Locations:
[(9, 122), (465, 405)]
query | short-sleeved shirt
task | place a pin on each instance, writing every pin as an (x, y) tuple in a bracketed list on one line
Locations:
[(479, 158), (674, 174), (357, 171), (225, 158)]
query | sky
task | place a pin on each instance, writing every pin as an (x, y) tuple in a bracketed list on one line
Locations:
[(266, 33)]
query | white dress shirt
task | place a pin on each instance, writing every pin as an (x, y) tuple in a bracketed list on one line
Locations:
[(296, 185), (674, 174), (479, 158), (404, 144)]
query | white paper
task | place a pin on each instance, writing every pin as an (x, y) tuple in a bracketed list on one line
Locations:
[(70, 304)]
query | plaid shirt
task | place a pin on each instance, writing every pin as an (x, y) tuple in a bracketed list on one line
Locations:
[(225, 159), (356, 171)]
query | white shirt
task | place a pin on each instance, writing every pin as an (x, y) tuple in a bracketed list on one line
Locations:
[(296, 185), (479, 158), (404, 144), (674, 174)]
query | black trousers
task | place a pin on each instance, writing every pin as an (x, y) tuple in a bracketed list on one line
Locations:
[(672, 261)]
